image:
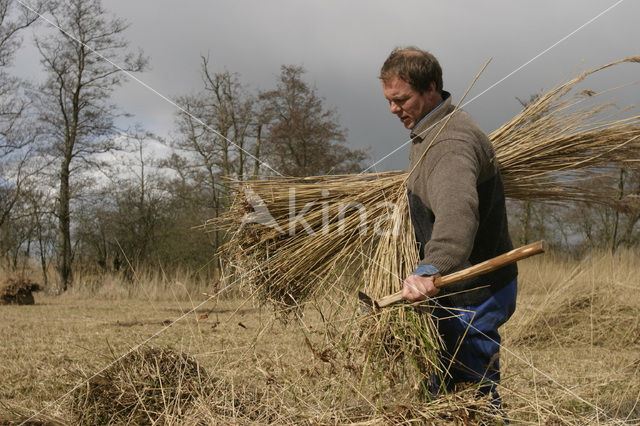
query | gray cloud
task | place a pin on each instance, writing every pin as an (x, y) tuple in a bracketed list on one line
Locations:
[(343, 43)]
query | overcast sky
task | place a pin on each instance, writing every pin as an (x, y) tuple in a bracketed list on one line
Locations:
[(343, 43)]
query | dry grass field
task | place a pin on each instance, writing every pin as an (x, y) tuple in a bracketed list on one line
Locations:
[(571, 355)]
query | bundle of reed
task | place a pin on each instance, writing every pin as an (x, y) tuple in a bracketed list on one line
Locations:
[(560, 144), (338, 218), (295, 238)]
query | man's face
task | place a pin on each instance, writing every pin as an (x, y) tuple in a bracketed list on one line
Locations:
[(407, 103)]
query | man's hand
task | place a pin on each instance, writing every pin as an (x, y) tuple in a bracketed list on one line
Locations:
[(416, 288)]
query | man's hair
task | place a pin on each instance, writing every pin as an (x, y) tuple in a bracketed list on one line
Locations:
[(415, 66)]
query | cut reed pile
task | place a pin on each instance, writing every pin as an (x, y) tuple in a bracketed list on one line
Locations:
[(18, 291), (292, 239), (149, 385)]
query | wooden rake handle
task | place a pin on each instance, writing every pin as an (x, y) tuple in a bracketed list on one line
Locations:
[(475, 270)]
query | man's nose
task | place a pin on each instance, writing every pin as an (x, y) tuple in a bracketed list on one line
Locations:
[(394, 108)]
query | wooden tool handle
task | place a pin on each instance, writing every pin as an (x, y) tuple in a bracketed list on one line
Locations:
[(475, 270)]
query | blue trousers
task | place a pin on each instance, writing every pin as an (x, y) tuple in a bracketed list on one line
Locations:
[(472, 343)]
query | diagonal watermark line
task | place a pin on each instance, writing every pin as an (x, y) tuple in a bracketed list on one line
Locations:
[(544, 51), (144, 342), (147, 86), (469, 325)]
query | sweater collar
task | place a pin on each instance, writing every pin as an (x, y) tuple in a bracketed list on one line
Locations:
[(426, 122)]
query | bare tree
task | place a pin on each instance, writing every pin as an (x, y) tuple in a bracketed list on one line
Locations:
[(18, 221), (16, 136), (230, 111), (607, 228), (28, 231), (74, 101), (214, 130), (303, 137), (14, 18), (143, 215), (625, 226), (213, 140), (44, 228), (138, 201), (16, 169)]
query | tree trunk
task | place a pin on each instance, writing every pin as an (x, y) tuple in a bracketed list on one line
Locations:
[(527, 208), (256, 156), (43, 259), (64, 230), (616, 214)]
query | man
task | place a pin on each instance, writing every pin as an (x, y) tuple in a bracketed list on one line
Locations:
[(457, 205)]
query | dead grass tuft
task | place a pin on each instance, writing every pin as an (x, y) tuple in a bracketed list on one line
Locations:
[(147, 386)]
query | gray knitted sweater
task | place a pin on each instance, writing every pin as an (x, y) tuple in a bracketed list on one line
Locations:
[(457, 203)]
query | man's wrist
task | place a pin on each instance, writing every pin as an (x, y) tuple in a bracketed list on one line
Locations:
[(425, 270)]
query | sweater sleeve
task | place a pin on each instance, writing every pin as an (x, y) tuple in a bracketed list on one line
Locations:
[(450, 186)]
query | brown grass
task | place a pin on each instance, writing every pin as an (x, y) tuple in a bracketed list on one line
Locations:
[(143, 284), (572, 344), (579, 323)]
